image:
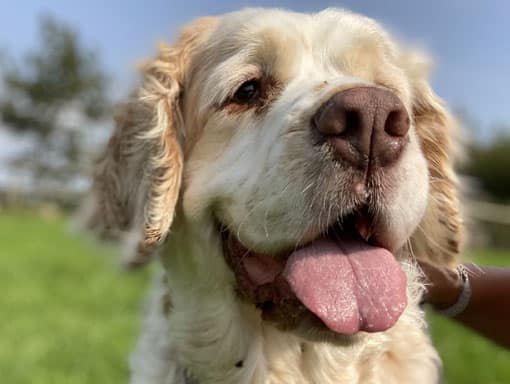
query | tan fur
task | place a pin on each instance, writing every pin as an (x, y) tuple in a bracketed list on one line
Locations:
[(137, 181), (439, 237), (178, 152)]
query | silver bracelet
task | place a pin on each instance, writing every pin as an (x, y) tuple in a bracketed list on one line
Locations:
[(465, 296)]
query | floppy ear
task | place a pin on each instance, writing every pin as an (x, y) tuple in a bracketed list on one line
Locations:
[(137, 180), (438, 240)]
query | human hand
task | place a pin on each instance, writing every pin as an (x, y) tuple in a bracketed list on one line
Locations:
[(443, 286)]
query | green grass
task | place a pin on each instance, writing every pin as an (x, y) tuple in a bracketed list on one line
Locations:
[(70, 315), (467, 357)]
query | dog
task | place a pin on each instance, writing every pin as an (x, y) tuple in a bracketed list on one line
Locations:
[(288, 169)]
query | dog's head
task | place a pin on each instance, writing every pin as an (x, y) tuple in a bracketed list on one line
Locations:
[(312, 142)]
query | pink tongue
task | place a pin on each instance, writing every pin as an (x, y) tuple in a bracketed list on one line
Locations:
[(348, 284)]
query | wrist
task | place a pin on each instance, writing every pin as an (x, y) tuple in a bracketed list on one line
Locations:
[(443, 286), (463, 298), (449, 294)]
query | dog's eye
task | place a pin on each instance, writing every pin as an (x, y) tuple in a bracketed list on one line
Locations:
[(247, 92)]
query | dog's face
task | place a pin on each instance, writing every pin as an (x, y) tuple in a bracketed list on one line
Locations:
[(296, 118), (316, 147)]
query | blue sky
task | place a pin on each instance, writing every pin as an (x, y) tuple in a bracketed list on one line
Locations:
[(470, 40)]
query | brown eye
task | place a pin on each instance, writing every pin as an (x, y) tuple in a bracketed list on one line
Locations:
[(248, 92)]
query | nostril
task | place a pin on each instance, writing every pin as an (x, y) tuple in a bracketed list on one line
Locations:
[(397, 123), (333, 120), (352, 121)]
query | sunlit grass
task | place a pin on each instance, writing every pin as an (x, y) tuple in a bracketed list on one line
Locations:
[(69, 314), (467, 357)]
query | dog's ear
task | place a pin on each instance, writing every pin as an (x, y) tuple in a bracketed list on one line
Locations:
[(438, 240), (137, 180)]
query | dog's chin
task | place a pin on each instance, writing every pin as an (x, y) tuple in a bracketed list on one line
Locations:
[(312, 329), (274, 288)]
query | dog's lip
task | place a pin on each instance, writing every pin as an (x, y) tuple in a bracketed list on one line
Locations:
[(274, 282), (360, 222), (266, 266)]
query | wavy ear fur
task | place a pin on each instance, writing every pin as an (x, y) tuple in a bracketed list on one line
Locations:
[(137, 180), (439, 237)]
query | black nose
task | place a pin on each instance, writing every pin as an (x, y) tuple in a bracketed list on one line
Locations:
[(364, 125)]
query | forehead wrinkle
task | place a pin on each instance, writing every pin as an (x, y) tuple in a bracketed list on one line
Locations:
[(219, 68), (363, 58), (260, 34), (225, 78), (343, 34), (283, 51), (226, 63)]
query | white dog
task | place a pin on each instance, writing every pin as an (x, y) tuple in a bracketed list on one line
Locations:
[(289, 167)]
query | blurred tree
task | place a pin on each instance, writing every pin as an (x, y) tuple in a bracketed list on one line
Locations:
[(53, 96), (490, 164)]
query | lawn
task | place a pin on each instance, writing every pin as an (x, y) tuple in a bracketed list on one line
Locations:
[(70, 314), (467, 357)]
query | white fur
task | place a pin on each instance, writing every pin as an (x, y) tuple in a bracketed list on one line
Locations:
[(260, 174), (210, 331)]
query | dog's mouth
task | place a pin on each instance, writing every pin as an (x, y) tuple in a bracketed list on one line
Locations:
[(344, 277)]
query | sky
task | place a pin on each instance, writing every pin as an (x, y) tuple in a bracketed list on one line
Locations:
[(469, 40)]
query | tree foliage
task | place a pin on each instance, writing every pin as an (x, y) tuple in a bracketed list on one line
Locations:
[(490, 164), (49, 95)]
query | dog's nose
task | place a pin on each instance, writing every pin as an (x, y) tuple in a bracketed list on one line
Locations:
[(366, 126)]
